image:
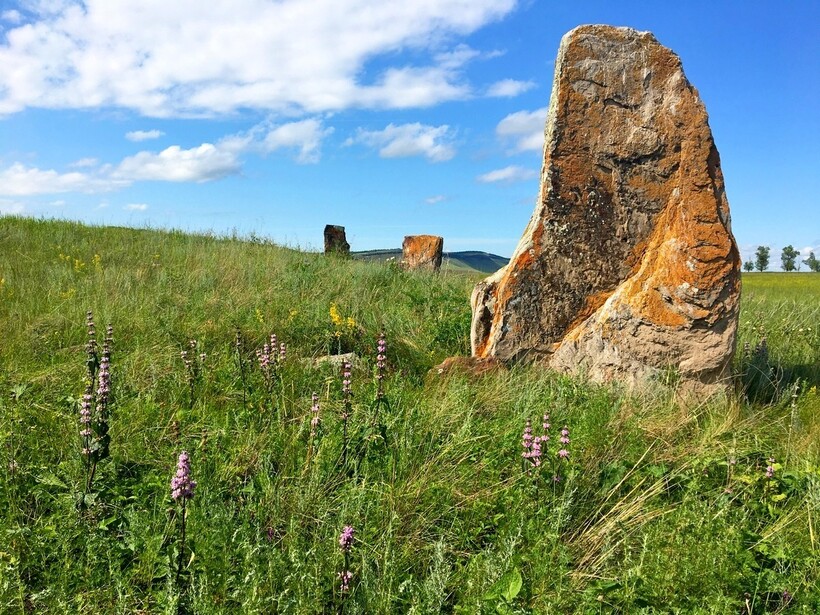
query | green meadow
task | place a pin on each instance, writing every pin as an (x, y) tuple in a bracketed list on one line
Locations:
[(655, 506)]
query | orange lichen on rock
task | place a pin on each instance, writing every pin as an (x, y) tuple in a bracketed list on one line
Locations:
[(628, 265), (422, 252)]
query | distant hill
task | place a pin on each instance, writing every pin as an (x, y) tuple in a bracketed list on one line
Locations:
[(483, 262)]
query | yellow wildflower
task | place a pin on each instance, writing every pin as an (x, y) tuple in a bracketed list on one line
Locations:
[(335, 317)]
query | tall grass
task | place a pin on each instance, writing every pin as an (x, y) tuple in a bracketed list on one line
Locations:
[(661, 508)]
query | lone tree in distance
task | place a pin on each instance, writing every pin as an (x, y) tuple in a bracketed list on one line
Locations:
[(788, 258), (762, 258), (748, 266), (812, 263)]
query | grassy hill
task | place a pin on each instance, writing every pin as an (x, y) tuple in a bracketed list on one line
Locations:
[(483, 262), (658, 507)]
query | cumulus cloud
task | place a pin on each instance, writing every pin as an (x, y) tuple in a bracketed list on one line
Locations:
[(143, 135), (508, 174), (206, 162), (404, 140), (136, 207), (305, 136), (11, 16), (508, 88), (84, 163), (183, 58), (174, 164), (524, 128), (20, 180)]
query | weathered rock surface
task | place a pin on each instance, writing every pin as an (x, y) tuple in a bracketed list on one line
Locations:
[(335, 240), (422, 252), (627, 269)]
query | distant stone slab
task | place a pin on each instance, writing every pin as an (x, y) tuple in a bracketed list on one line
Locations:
[(627, 270), (335, 240), (422, 252)]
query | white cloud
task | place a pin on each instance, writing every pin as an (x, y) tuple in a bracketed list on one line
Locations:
[(508, 88), (306, 136), (525, 128), (206, 162), (174, 164), (407, 87), (432, 200), (401, 141), (143, 135), (11, 16), (84, 163), (508, 174), (187, 58), (136, 207), (57, 203), (456, 58), (19, 180), (198, 164)]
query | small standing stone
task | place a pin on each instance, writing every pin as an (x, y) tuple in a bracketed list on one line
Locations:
[(335, 240), (422, 252)]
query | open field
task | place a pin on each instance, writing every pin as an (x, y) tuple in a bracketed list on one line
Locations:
[(658, 508), (466, 260)]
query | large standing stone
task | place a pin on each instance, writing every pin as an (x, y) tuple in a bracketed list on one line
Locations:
[(422, 252), (335, 240), (627, 269)]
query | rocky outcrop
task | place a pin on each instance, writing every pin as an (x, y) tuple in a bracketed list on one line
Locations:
[(422, 252), (335, 240), (627, 269)]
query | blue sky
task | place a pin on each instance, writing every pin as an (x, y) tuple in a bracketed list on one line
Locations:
[(387, 117)]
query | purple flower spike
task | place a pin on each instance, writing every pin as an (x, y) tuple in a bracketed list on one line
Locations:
[(564, 439), (381, 355), (182, 487), (381, 365), (85, 416), (526, 439), (346, 378), (345, 578), (535, 455), (346, 538), (315, 420), (532, 446), (563, 454), (770, 468)]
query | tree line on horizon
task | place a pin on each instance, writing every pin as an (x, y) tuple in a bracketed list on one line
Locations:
[(788, 260)]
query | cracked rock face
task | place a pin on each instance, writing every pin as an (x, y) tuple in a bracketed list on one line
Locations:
[(627, 269)]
